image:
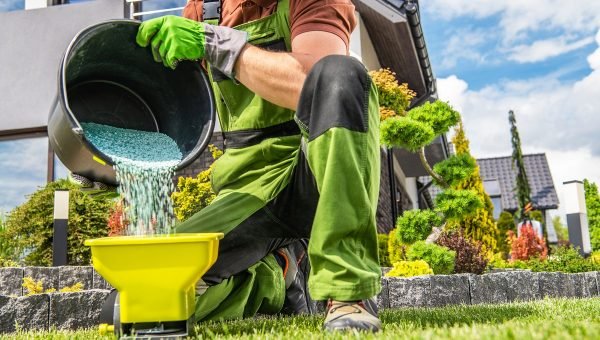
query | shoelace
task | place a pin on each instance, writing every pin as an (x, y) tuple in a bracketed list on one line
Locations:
[(332, 309)]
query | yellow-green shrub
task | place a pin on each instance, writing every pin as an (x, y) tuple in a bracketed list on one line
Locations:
[(37, 287), (382, 246), (410, 268), (194, 193), (396, 250)]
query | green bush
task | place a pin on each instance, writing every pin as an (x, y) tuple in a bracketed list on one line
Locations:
[(396, 250), (440, 259), (6, 245), (410, 268), (566, 259), (416, 225), (455, 169), (194, 193), (456, 204), (438, 115), (30, 225), (382, 245), (392, 96), (405, 133), (505, 224)]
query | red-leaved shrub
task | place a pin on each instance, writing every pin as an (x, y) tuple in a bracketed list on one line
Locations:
[(469, 257), (117, 223), (527, 246)]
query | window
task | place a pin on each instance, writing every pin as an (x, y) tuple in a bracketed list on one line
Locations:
[(492, 188), (23, 168)]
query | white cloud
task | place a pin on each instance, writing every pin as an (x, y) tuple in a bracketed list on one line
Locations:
[(518, 18), (464, 44), (594, 58), (541, 50), (560, 119)]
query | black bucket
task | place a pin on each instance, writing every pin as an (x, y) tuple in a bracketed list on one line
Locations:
[(106, 78)]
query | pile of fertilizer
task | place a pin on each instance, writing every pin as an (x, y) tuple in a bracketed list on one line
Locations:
[(145, 163)]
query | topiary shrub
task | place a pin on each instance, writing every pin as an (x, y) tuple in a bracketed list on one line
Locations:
[(440, 259), (30, 225), (416, 225), (194, 193), (410, 268), (382, 245), (456, 204), (469, 255)]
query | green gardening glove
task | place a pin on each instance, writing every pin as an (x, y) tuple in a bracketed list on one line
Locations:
[(175, 38)]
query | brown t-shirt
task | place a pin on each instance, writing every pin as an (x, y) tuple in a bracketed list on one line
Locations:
[(333, 16)]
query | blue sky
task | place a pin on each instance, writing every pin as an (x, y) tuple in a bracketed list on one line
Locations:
[(540, 58)]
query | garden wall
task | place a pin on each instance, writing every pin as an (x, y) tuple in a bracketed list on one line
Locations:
[(82, 309)]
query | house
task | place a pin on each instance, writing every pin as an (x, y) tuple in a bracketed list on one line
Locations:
[(499, 181), (389, 34)]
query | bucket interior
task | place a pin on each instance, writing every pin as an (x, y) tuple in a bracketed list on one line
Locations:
[(108, 79)]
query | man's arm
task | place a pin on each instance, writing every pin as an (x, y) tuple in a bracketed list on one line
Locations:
[(278, 77)]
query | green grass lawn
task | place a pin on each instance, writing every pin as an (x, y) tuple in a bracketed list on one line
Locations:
[(546, 319)]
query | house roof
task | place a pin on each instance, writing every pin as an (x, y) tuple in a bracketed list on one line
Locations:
[(395, 30), (498, 172), (543, 193)]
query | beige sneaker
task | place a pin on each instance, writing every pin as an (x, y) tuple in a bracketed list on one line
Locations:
[(353, 315)]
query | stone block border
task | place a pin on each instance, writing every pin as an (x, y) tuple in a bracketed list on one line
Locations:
[(82, 309)]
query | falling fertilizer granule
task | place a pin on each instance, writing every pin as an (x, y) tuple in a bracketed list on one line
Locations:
[(145, 163)]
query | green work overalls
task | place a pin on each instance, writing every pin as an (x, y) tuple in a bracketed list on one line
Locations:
[(287, 175)]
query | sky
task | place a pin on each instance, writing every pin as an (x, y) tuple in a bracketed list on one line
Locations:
[(539, 58)]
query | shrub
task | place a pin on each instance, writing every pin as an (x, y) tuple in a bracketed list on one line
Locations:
[(440, 116), (396, 250), (117, 221), (416, 225), (469, 256), (506, 223), (456, 204), (30, 225), (405, 133), (565, 259), (528, 245), (382, 245), (393, 97), (410, 268), (440, 259), (455, 169), (194, 194)]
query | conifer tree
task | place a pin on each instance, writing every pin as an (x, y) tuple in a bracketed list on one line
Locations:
[(480, 226), (523, 190), (592, 204)]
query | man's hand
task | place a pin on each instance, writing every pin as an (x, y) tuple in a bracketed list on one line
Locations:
[(174, 38)]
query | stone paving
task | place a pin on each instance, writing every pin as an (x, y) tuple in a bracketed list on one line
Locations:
[(82, 309)]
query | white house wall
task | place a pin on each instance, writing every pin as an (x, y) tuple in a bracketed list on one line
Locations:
[(33, 42), (361, 46)]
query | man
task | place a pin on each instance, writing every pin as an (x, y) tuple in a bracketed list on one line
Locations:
[(300, 121)]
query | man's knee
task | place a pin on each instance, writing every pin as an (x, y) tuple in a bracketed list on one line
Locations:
[(335, 94)]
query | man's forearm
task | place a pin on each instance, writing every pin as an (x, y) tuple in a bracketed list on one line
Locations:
[(276, 76)]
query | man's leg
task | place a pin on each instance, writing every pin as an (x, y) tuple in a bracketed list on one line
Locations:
[(338, 114)]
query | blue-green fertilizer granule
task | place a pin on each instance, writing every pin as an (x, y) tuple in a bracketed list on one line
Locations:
[(145, 163)]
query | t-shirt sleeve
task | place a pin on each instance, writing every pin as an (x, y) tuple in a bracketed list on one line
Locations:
[(333, 16), (193, 10)]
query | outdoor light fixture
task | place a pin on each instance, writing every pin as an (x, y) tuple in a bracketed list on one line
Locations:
[(61, 219), (577, 221)]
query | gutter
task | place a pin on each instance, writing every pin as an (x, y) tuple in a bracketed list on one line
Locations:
[(411, 8)]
